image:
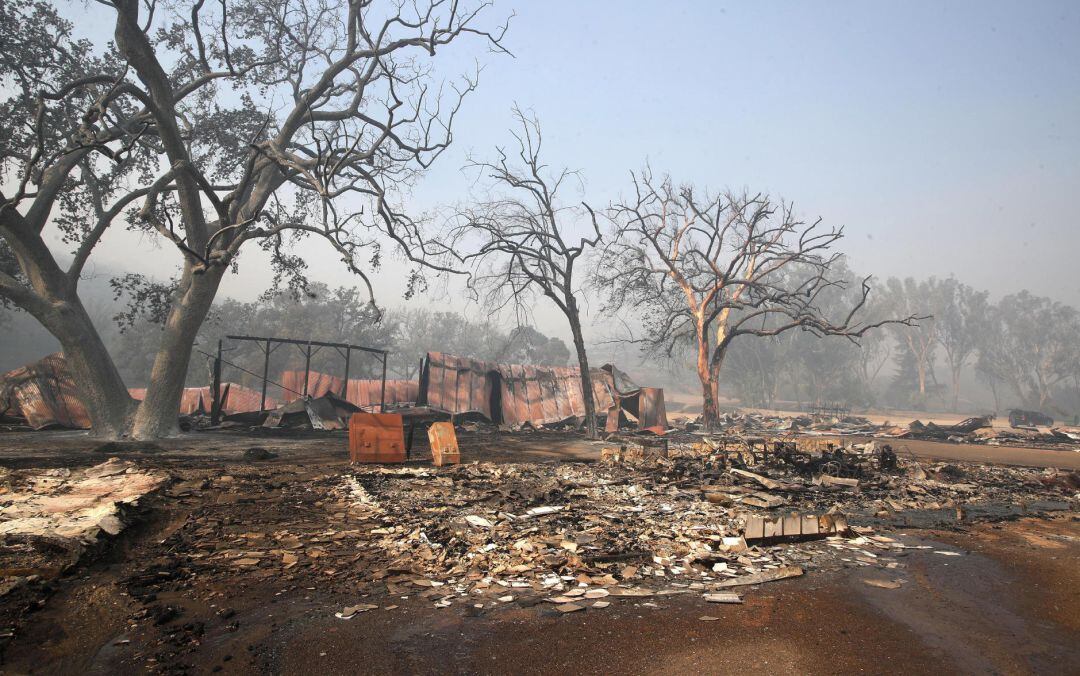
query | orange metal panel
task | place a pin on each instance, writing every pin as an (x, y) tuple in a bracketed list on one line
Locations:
[(376, 437), (444, 445)]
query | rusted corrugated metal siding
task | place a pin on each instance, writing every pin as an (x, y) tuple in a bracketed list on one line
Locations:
[(538, 395), (360, 391), (193, 400), (457, 384), (44, 394), (369, 392), (238, 399), (318, 384)]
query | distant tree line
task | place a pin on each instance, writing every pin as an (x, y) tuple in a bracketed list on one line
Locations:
[(969, 354)]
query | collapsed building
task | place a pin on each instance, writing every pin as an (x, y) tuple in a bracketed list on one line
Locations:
[(515, 395), (43, 395)]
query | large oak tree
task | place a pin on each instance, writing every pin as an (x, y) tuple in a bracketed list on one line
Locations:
[(209, 126)]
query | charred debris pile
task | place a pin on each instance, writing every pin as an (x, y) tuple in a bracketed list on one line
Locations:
[(701, 519), (975, 430)]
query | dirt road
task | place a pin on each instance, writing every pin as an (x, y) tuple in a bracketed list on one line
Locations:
[(1008, 604)]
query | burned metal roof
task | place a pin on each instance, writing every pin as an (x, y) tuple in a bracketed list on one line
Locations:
[(44, 394), (514, 394)]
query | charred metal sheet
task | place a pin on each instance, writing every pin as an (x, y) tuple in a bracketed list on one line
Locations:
[(513, 394), (647, 406), (1021, 418), (43, 394)]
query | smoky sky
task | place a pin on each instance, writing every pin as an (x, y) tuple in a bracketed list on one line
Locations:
[(942, 136)]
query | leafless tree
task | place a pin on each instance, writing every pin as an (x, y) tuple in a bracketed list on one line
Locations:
[(919, 340), (961, 320), (701, 270), (1029, 344), (527, 242), (210, 125)]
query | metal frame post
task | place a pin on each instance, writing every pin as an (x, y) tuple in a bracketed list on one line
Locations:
[(382, 388), (307, 368), (265, 375), (306, 346), (345, 383)]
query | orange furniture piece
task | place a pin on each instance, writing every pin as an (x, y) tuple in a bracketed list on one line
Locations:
[(376, 437), (443, 442)]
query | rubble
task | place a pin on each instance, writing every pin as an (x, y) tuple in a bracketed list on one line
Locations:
[(723, 597), (568, 532), (764, 576), (49, 518), (752, 430), (75, 505), (43, 395)]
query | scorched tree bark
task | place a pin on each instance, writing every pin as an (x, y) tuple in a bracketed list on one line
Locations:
[(701, 270)]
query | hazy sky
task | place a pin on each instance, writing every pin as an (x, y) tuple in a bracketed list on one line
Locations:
[(945, 136)]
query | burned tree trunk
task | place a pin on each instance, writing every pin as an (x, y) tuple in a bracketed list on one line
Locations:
[(710, 410), (157, 414), (591, 428), (101, 389)]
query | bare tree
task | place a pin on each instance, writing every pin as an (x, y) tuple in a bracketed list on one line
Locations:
[(211, 125), (526, 241), (1031, 346), (961, 320), (702, 270), (918, 340)]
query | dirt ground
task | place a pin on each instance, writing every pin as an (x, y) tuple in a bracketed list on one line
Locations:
[(155, 599)]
